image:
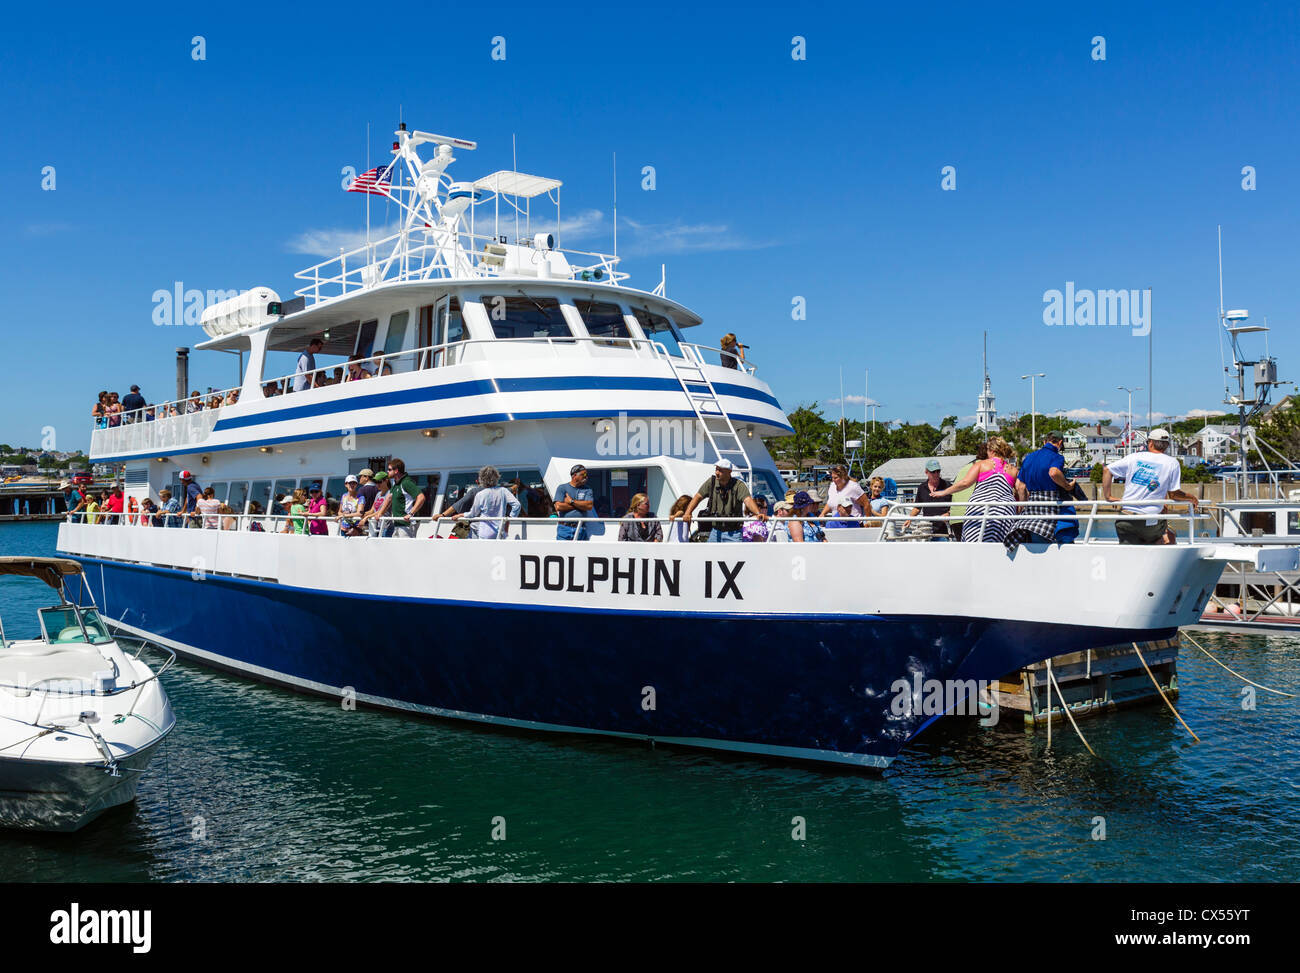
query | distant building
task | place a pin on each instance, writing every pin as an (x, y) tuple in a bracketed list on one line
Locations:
[(1101, 444), (1214, 443)]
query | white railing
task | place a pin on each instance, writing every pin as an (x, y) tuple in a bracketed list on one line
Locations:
[(890, 526), (704, 355), (181, 422), (174, 429), (404, 260)]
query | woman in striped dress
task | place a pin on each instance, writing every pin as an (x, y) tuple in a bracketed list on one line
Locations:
[(994, 480)]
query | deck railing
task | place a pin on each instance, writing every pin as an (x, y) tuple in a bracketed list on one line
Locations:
[(894, 525), (400, 257), (175, 429)]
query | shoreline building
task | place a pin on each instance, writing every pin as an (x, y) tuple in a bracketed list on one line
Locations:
[(986, 413)]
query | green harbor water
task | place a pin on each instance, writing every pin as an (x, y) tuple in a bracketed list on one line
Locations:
[(260, 784)]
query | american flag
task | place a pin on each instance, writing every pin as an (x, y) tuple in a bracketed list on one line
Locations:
[(375, 181)]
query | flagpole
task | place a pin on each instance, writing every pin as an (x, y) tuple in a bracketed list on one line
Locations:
[(369, 259)]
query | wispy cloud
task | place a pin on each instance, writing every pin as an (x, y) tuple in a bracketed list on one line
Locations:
[(48, 229), (330, 242), (853, 400), (679, 237), (589, 229)]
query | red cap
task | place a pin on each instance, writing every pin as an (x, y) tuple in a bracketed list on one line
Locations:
[(186, 475)]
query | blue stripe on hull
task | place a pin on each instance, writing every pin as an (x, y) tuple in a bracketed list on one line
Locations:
[(746, 682)]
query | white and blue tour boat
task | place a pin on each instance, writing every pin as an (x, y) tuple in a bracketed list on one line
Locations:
[(492, 344)]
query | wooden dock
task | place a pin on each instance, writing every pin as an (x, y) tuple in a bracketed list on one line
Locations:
[(1093, 682)]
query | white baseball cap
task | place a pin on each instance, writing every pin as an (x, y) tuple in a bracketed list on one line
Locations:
[(1159, 435), (351, 479), (723, 464)]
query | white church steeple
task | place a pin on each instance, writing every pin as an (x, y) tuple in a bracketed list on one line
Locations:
[(986, 413)]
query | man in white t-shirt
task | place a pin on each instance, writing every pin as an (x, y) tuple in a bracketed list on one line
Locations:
[(843, 491), (1148, 476)]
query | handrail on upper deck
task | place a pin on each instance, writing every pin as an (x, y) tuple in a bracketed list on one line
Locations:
[(429, 260)]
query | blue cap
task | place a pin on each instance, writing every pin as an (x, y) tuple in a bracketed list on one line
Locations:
[(314, 486)]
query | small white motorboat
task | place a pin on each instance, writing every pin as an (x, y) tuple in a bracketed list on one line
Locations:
[(80, 717)]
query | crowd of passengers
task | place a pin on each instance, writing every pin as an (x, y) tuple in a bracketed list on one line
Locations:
[(1011, 502), (111, 410)]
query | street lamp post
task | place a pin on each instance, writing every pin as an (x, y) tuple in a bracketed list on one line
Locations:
[(1033, 418), (1128, 447)]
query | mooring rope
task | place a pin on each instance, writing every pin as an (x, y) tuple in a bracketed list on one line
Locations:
[(1052, 679), (1156, 683), (1266, 689)]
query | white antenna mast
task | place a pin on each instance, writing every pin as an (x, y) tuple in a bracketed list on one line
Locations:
[(615, 204), (1220, 273), (514, 164)]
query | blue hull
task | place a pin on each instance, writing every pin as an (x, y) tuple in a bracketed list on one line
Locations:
[(811, 687)]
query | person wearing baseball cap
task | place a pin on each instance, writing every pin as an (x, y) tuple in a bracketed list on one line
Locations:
[(573, 501), (193, 494), (366, 492), (728, 498), (924, 494), (1149, 475), (350, 508)]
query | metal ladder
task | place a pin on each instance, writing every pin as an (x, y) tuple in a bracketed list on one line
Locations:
[(715, 422)]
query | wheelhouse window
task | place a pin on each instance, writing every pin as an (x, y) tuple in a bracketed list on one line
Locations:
[(659, 328), (526, 317), (238, 496), (395, 341), (603, 320)]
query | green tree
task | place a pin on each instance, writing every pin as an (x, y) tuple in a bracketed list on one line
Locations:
[(809, 440)]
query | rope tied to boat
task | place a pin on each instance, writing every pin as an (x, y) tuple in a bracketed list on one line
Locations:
[(1051, 678), (1155, 682), (1251, 682)]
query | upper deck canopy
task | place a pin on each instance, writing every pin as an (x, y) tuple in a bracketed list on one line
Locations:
[(518, 184)]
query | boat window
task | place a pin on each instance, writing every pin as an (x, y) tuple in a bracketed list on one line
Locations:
[(366, 339), (60, 625), (1263, 521), (238, 498), (659, 328), (219, 491), (260, 493), (450, 329), (282, 487), (453, 325), (395, 341), (603, 320), (527, 484), (334, 487), (526, 317)]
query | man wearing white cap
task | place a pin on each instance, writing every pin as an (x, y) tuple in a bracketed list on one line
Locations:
[(728, 497), (1148, 475)]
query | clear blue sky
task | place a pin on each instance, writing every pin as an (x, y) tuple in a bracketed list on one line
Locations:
[(776, 178)]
